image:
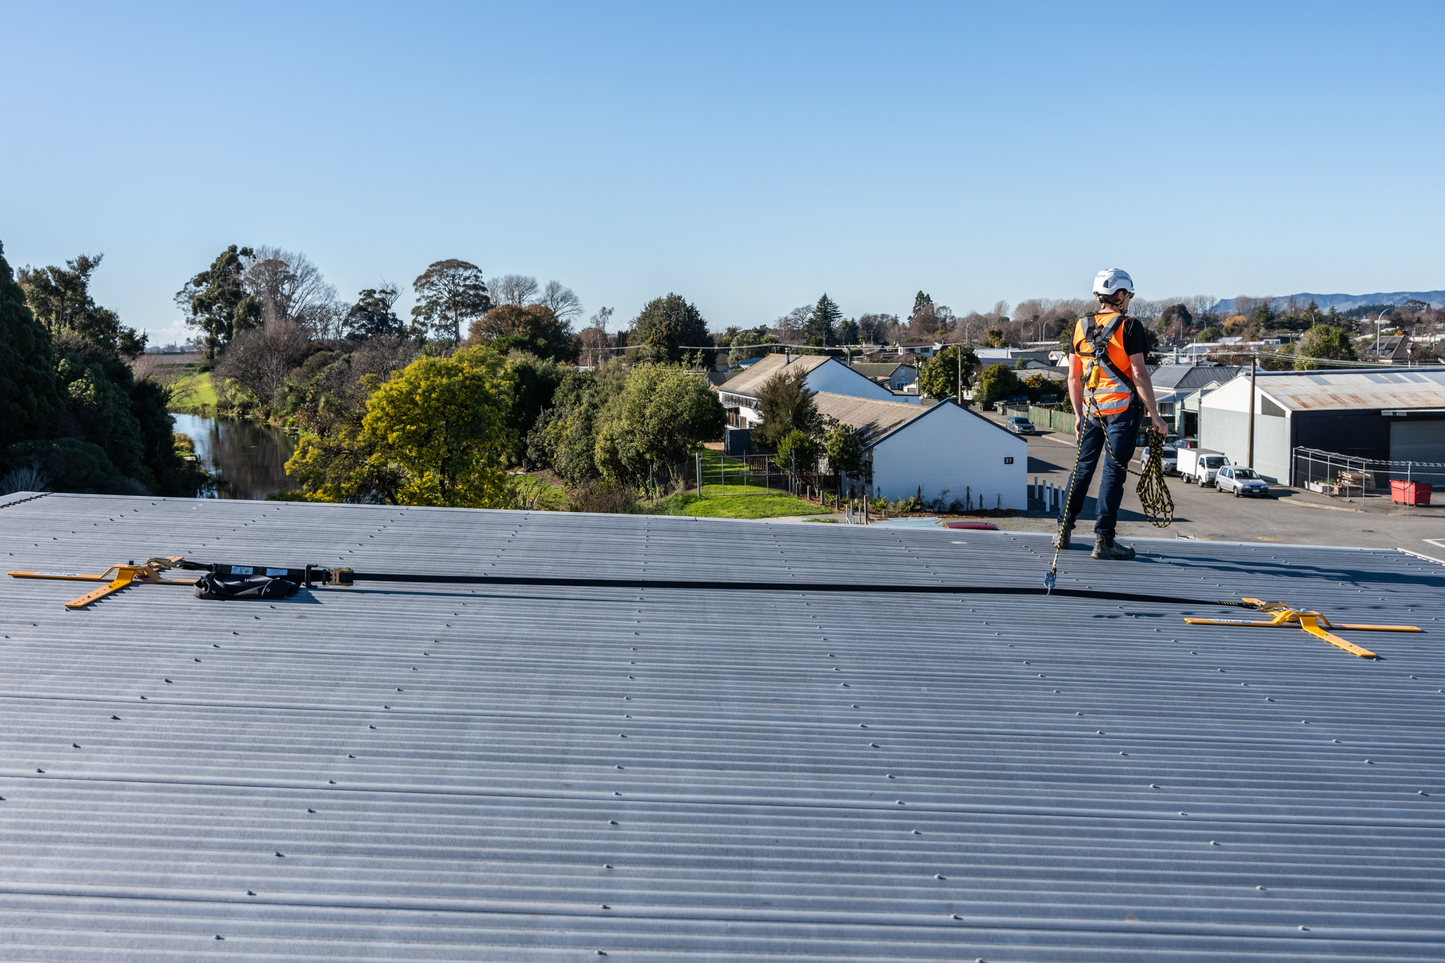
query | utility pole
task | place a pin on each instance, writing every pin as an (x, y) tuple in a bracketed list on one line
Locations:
[(958, 352), (1253, 360)]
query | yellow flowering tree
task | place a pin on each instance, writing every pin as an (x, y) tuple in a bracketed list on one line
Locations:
[(436, 434)]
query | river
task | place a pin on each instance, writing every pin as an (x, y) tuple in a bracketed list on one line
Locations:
[(245, 460)]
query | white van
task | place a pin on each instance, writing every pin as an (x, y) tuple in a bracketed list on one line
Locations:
[(1200, 465)]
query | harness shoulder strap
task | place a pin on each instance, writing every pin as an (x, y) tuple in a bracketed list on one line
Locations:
[(1101, 336)]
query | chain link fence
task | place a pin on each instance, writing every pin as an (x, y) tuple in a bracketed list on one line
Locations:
[(1345, 476)]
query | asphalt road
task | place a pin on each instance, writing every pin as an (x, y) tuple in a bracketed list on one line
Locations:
[(1291, 515)]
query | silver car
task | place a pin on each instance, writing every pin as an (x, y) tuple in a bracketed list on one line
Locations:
[(1241, 481)]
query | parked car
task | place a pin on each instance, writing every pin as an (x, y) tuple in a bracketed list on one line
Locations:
[(1019, 425), (1200, 465), (1170, 459), (1241, 481), (1186, 443)]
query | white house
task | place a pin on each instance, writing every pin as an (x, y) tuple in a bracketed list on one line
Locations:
[(895, 374), (943, 453), (739, 394)]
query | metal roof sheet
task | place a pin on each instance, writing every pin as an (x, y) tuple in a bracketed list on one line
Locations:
[(437, 773), (1342, 390), (749, 381)]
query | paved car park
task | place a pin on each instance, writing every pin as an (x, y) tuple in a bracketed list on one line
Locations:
[(1288, 515)]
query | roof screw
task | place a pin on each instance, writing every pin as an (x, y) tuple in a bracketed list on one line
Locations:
[(622, 735), (331, 782), (250, 892), (371, 727), (917, 833), (219, 936), (1368, 763), (1152, 786), (605, 906), (612, 822), (1213, 843), (350, 755), (40, 770), (282, 855), (144, 699), (619, 767), (1259, 888), (169, 682), (1304, 929), (872, 745), (900, 802), (862, 726), (1421, 792), (937, 876), (311, 811), (76, 745)]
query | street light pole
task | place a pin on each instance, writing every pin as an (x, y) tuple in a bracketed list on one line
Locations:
[(1379, 322)]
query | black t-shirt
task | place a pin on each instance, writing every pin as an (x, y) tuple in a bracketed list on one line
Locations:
[(1133, 336)]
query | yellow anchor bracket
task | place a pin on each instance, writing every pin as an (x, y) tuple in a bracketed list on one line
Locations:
[(1312, 622), (117, 577)]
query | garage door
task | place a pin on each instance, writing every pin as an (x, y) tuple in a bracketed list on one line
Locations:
[(1422, 440)]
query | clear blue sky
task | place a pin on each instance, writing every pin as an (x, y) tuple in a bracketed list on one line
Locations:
[(748, 157)]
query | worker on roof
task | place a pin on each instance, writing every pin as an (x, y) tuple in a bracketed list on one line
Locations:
[(1110, 390)]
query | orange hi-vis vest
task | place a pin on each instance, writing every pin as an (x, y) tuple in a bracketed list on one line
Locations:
[(1099, 343)]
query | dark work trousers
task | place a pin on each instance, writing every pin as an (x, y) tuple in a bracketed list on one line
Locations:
[(1123, 431)]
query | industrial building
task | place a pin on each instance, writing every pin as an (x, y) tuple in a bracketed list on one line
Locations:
[(561, 773), (942, 453), (1380, 414), (1173, 383)]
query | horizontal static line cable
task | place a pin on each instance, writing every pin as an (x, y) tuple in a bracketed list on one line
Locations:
[(835, 588), (341, 576)]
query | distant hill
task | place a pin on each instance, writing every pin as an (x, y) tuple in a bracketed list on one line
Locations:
[(1346, 302)]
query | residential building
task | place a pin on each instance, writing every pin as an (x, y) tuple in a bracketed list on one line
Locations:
[(941, 452), (1174, 382), (739, 394), (896, 375)]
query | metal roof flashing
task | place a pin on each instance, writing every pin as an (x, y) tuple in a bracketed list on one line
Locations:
[(472, 772)]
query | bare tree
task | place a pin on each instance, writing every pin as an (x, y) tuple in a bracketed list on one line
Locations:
[(259, 359), (290, 288), (595, 339), (518, 289), (1200, 305), (788, 328), (563, 302)]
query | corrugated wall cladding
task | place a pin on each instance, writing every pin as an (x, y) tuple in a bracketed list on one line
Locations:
[(433, 773)]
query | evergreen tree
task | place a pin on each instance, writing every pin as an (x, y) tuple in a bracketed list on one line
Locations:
[(215, 301), (920, 301), (372, 315), (28, 393), (671, 328), (820, 328)]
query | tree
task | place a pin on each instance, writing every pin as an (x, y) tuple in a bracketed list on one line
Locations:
[(671, 328), (565, 436), (216, 301), (663, 412), (848, 331), (1323, 342), (450, 295), (60, 298), (997, 383), (821, 326), (877, 328), (514, 289), (995, 338), (372, 315), (931, 321), (1177, 317), (531, 327), (844, 450), (288, 287), (797, 452), (439, 428), (562, 300), (258, 361), (534, 383), (1209, 335), (594, 339), (784, 404), (743, 342), (28, 394), (939, 377), (920, 301)]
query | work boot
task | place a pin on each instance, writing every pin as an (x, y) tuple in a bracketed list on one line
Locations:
[(1061, 540), (1106, 548)]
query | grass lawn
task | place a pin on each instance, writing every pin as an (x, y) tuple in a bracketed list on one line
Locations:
[(726, 493), (540, 494), (191, 390)]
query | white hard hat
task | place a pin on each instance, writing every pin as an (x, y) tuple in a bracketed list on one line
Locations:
[(1109, 280)]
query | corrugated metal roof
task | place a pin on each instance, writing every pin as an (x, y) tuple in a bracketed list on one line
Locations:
[(870, 418), (544, 773), (874, 369), (749, 381), (1344, 390)]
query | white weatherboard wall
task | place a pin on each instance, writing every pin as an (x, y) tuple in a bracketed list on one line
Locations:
[(838, 378), (950, 449)]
